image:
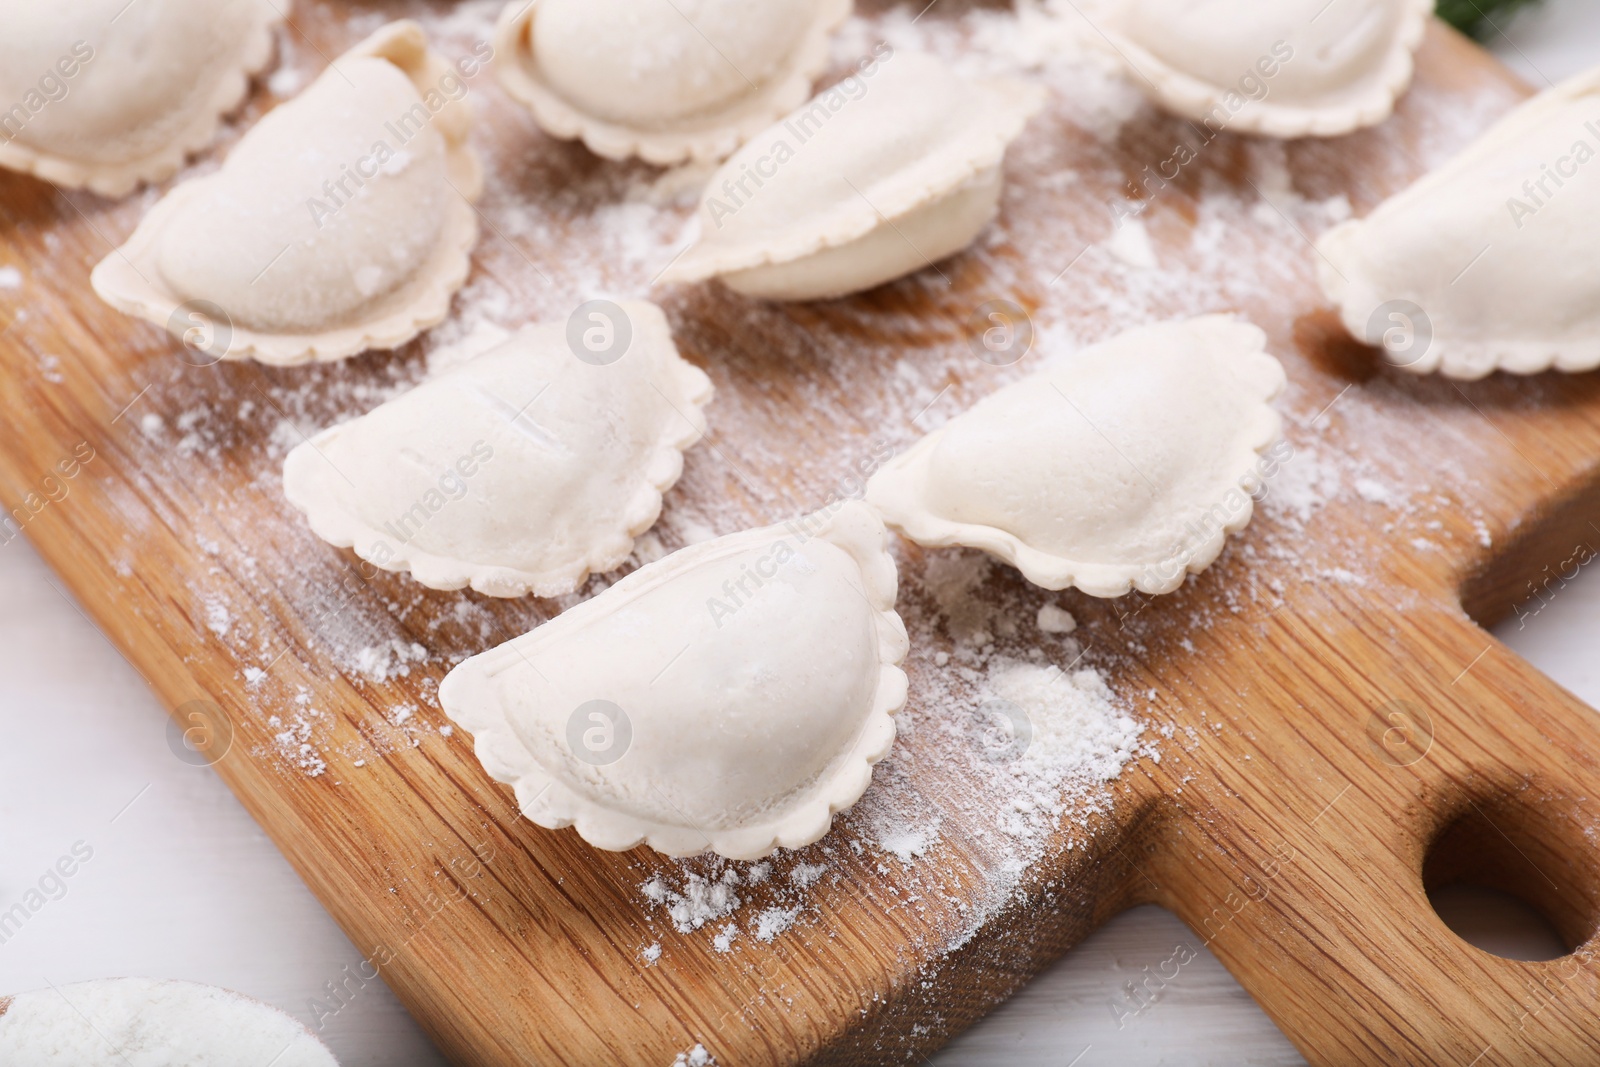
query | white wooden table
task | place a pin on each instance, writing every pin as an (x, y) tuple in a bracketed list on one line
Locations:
[(182, 884)]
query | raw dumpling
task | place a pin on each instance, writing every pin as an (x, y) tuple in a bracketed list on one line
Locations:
[(124, 1022), (730, 697), (666, 80), (1488, 262), (521, 470), (105, 94), (1123, 466), (341, 222), (1284, 68), (894, 168)]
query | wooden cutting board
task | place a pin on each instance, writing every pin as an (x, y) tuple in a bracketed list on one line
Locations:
[(1327, 728)]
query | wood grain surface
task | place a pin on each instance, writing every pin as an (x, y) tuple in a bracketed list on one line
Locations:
[(1279, 808)]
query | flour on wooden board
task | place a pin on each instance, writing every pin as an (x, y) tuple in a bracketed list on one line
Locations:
[(1021, 743), (1012, 726), (695, 1057)]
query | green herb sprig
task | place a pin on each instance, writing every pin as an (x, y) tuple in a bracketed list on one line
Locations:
[(1478, 18)]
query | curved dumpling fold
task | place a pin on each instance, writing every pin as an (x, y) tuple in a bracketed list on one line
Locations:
[(104, 94), (342, 221), (1284, 68), (1487, 263), (731, 696), (665, 81), (1121, 467), (894, 168), (521, 470)]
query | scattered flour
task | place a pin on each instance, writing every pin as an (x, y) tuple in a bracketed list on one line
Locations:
[(394, 659), (285, 81), (292, 737), (219, 620), (10, 278), (1374, 492), (1130, 244), (698, 902), (806, 875), (1055, 620), (695, 1057), (1304, 485), (774, 921), (996, 734), (123, 1021), (950, 580), (904, 839)]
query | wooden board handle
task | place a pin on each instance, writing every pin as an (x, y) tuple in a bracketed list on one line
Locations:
[(1310, 884)]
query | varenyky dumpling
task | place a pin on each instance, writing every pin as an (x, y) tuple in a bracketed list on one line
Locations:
[(892, 169), (1123, 466), (667, 80), (521, 470), (105, 94), (342, 221), (1489, 262), (731, 696), (1283, 68)]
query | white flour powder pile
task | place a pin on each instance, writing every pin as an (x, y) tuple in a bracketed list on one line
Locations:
[(695, 1057), (147, 1022)]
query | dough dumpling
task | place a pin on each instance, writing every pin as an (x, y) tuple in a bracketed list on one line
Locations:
[(342, 221), (729, 697)]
